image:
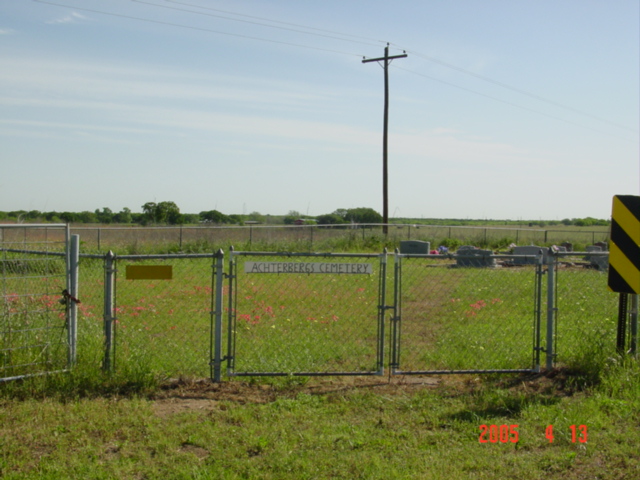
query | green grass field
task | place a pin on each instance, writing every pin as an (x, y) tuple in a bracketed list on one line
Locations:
[(153, 417)]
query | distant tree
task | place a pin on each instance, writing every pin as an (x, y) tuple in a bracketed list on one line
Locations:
[(363, 215), (170, 213), (104, 216), (256, 217), (235, 219), (33, 215), (330, 219), (214, 216), (589, 222), (124, 216), (190, 218), (291, 217), (51, 217), (149, 210), (87, 217), (163, 212), (341, 212), (68, 217), (139, 218)]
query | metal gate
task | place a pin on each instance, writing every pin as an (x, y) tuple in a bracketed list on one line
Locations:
[(159, 314), (38, 289), (459, 316), (305, 314)]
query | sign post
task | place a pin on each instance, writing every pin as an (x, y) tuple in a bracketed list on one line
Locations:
[(624, 263)]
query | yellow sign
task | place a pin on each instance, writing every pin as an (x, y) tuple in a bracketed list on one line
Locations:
[(624, 253), (149, 272)]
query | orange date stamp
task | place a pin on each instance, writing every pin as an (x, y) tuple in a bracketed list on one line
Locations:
[(510, 434)]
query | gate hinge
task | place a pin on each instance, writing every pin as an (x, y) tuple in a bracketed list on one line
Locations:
[(212, 362)]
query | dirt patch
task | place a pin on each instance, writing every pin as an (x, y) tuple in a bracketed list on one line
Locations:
[(195, 450), (170, 406), (185, 395)]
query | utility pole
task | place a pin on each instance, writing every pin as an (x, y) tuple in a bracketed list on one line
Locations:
[(385, 129)]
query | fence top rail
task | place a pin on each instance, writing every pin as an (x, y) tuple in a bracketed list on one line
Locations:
[(465, 255), (33, 225), (34, 252), (163, 256), (303, 226), (580, 254)]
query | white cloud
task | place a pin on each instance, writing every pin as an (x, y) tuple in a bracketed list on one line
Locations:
[(82, 80), (6, 31), (73, 17)]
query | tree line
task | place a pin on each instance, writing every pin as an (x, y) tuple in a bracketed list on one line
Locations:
[(168, 213)]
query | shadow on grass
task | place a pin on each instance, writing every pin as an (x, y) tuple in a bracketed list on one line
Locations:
[(498, 396), (81, 383)]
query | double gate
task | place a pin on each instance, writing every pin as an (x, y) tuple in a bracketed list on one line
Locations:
[(292, 314), (349, 314)]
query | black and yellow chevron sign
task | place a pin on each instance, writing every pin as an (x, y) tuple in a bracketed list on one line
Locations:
[(624, 252)]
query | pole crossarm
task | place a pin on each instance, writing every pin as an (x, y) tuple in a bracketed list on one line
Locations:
[(367, 60)]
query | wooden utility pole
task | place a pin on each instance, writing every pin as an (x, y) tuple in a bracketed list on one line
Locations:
[(385, 171)]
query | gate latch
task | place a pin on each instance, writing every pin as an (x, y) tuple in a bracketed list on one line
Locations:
[(66, 296)]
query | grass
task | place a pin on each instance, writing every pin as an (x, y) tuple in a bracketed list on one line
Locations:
[(199, 239), (152, 418), (330, 429)]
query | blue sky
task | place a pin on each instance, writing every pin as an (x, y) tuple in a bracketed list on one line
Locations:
[(503, 109)]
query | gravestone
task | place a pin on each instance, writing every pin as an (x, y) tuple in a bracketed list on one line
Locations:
[(468, 256), (532, 251), (602, 245), (415, 247), (600, 262)]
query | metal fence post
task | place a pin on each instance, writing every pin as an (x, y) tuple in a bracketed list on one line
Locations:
[(382, 308), (109, 284), (394, 364), (216, 340), (633, 348), (551, 309), (72, 287), (538, 314)]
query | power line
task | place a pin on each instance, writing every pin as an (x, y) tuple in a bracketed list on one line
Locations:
[(520, 91), (330, 34), (202, 29), (426, 57), (513, 104), (277, 21), (250, 22)]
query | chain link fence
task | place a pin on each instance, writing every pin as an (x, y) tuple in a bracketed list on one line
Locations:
[(305, 314), (35, 335), (135, 238), (267, 313), (460, 315), (159, 315), (586, 310)]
